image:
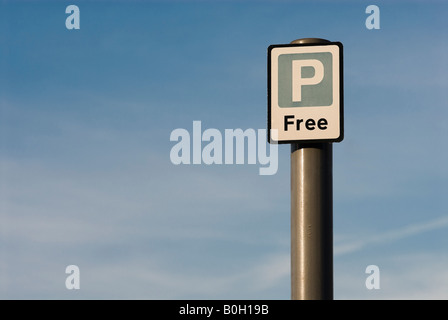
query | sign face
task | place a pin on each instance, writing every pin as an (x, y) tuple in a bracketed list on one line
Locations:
[(305, 93)]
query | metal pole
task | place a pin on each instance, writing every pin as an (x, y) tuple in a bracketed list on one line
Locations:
[(311, 217)]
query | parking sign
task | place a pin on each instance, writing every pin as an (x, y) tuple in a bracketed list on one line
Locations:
[(305, 93)]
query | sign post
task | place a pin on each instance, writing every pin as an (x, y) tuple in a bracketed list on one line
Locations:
[(305, 109)]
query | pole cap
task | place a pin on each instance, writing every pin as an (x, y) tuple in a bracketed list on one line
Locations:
[(309, 41)]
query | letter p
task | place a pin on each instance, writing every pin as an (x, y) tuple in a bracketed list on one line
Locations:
[(297, 76)]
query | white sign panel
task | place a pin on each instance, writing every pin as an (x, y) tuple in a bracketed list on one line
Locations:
[(305, 93)]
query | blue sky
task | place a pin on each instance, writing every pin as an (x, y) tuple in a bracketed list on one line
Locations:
[(86, 176)]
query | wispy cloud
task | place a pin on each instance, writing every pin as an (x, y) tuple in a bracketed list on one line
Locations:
[(122, 224), (390, 236)]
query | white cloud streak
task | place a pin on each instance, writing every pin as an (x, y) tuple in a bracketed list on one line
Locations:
[(390, 236)]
